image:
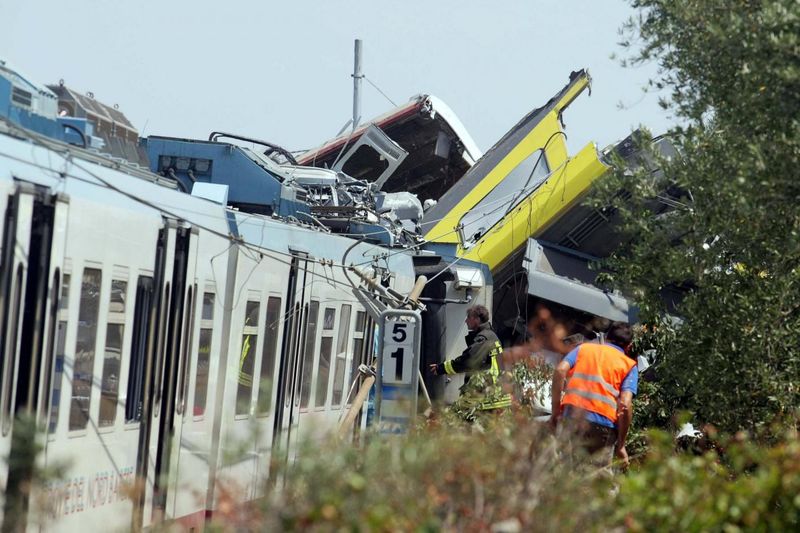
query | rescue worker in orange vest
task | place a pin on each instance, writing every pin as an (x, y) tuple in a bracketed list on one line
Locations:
[(483, 349), (597, 405)]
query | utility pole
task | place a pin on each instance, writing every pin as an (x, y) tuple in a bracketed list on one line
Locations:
[(357, 77)]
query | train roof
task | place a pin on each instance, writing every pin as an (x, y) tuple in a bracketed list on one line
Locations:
[(67, 169)]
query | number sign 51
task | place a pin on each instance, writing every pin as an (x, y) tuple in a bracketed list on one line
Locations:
[(398, 352)]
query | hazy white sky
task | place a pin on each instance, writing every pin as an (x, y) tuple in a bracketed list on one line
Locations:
[(280, 71)]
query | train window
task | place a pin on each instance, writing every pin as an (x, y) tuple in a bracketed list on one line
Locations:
[(361, 318), (323, 370), (203, 355), (49, 354), (61, 345), (112, 362), (161, 349), (371, 341), (324, 365), (308, 353), (83, 367), (208, 306), (340, 361), (358, 344), (188, 330), (330, 318), (513, 189), (145, 292), (244, 392), (268, 357)]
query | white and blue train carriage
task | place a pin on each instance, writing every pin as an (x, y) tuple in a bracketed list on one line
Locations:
[(149, 332)]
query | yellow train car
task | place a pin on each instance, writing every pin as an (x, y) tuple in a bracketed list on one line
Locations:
[(518, 188)]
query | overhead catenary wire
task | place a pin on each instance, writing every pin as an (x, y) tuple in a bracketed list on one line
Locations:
[(244, 246), (234, 241), (69, 160), (501, 203), (249, 246), (270, 252)]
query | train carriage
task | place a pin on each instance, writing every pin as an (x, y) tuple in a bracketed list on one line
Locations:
[(159, 337)]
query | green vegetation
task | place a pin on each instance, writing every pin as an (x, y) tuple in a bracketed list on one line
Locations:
[(528, 382), (732, 243), (510, 477)]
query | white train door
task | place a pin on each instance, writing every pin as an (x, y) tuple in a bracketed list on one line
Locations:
[(296, 315), (34, 232), (179, 327), (146, 499)]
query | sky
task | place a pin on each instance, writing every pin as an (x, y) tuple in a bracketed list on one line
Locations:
[(281, 71)]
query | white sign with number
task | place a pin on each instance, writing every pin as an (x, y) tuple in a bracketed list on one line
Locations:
[(398, 371), (398, 352)]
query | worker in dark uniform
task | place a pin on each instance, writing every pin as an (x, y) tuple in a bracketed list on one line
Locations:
[(483, 349)]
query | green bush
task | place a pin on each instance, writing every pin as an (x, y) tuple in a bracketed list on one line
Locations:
[(511, 476), (731, 242)]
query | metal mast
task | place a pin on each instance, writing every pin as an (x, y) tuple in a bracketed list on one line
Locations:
[(357, 76)]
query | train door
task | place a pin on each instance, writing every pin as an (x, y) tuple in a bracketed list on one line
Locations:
[(179, 328), (34, 230), (296, 313), (146, 498)]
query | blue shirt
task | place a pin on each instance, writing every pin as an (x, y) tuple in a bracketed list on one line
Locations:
[(630, 383)]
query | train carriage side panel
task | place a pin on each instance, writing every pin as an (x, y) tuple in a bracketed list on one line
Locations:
[(260, 275), (110, 247), (196, 402)]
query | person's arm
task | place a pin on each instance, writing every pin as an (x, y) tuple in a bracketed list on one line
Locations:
[(624, 418), (559, 377), (470, 359)]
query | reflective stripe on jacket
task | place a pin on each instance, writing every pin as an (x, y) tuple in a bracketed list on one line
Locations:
[(594, 383), (494, 371)]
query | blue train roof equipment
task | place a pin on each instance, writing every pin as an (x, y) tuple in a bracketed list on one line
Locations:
[(255, 182), (268, 181)]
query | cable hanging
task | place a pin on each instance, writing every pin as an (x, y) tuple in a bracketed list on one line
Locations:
[(379, 90)]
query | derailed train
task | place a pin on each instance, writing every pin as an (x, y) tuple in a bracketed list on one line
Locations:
[(145, 328), (170, 345)]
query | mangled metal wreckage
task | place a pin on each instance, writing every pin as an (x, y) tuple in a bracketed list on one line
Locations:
[(517, 210), (508, 228)]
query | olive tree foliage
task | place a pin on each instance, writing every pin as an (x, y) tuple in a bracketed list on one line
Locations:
[(729, 246)]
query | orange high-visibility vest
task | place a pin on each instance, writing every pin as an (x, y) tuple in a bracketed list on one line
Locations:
[(594, 382)]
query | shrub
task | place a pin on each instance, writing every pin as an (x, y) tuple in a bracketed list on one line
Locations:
[(509, 477)]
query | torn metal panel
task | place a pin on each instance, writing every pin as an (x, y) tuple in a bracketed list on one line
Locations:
[(592, 230), (373, 142), (440, 150), (468, 278), (564, 277)]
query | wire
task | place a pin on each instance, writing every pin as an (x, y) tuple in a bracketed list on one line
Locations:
[(501, 203), (233, 240), (529, 224), (379, 90), (445, 269), (245, 246), (69, 160), (542, 151)]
